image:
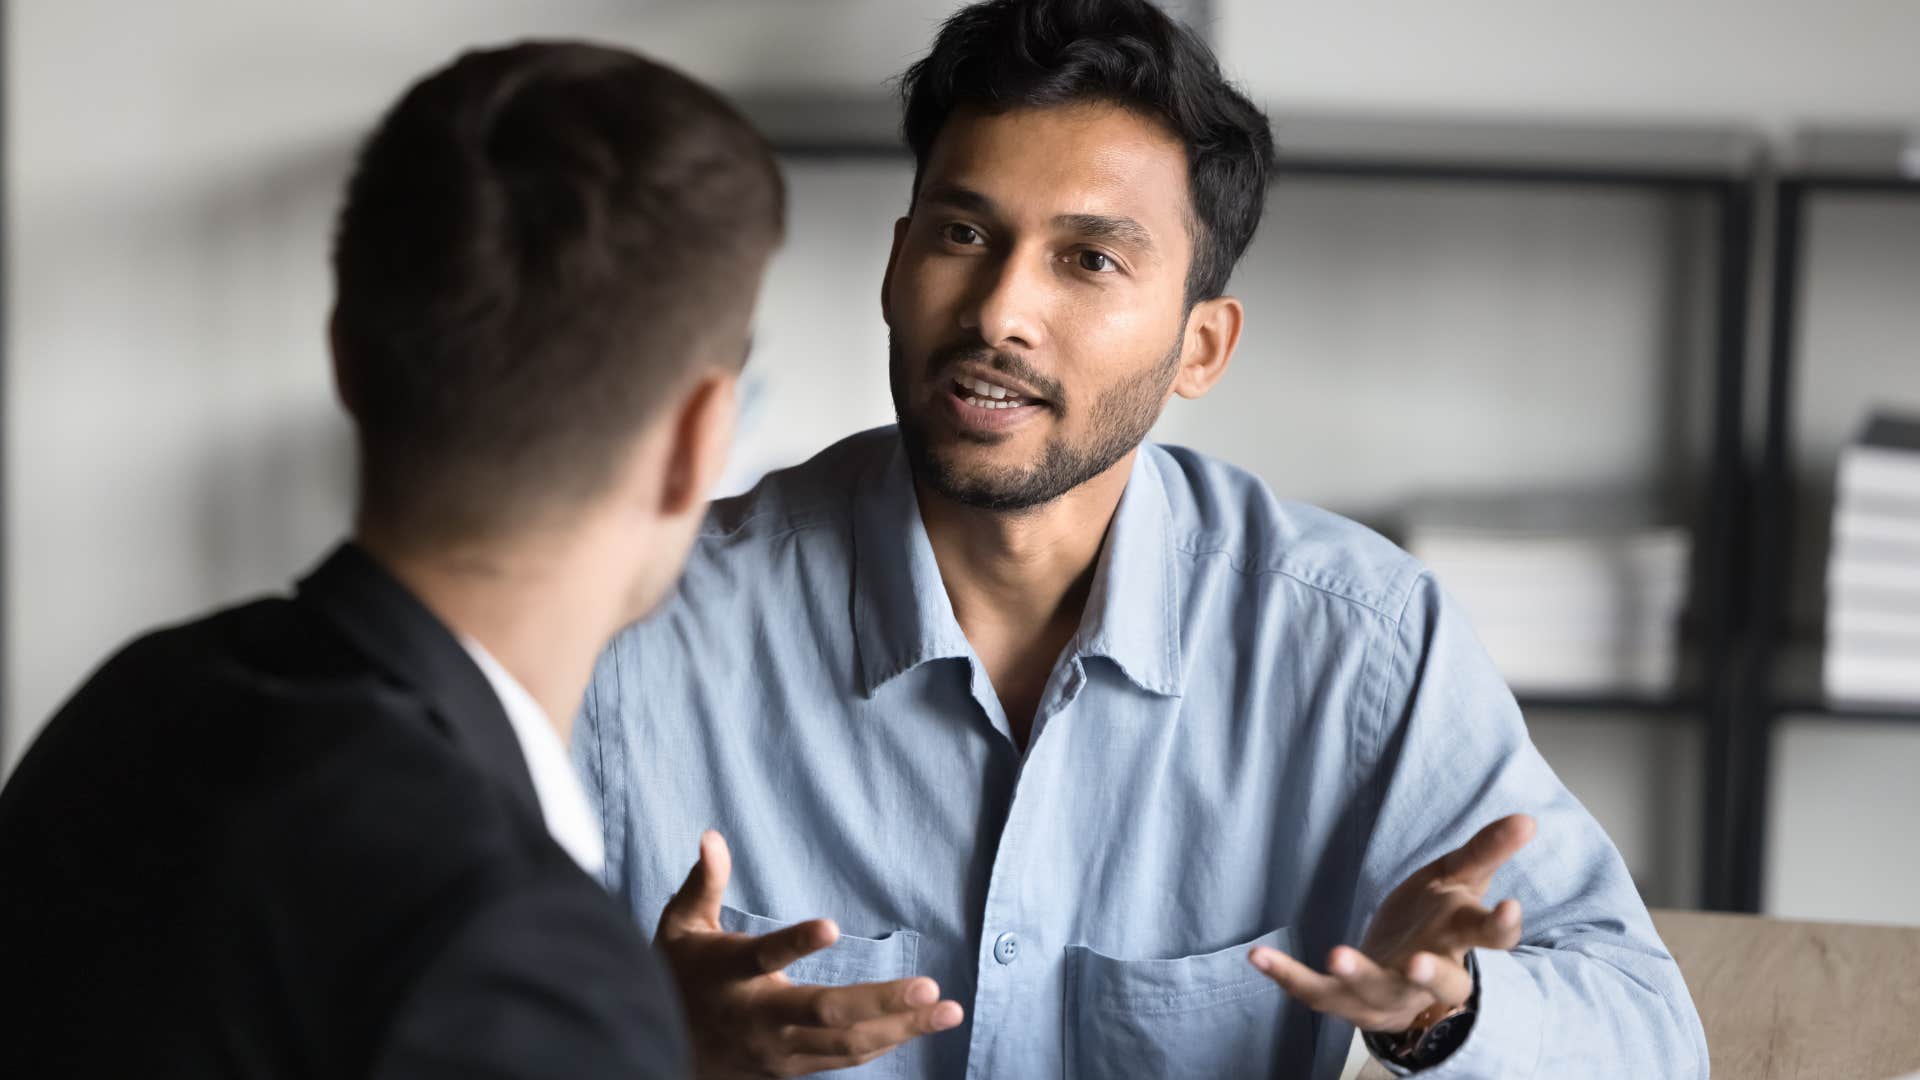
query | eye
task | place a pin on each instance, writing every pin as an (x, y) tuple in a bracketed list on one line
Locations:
[(1096, 262), (956, 233)]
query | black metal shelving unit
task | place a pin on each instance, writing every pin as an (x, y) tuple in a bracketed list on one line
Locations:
[(1778, 677), (1716, 165)]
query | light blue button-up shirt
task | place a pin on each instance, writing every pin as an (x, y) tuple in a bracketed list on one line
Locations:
[(1269, 718)]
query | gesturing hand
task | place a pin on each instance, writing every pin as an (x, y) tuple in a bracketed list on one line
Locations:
[(749, 1019), (1414, 955)]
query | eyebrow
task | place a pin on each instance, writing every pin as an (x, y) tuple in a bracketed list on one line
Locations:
[(1111, 228), (958, 198), (1123, 231)]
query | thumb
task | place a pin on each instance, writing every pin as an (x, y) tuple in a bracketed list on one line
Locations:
[(696, 907)]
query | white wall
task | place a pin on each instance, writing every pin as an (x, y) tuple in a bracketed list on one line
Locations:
[(1841, 841), (819, 365), (173, 169), (1406, 338), (1766, 62), (1639, 775)]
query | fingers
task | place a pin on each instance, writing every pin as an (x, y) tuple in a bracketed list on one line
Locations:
[(697, 905), (1474, 862), (1439, 976), (1302, 983), (769, 953), (1473, 927), (1354, 988), (845, 1006), (1500, 929), (845, 1047), (1367, 981)]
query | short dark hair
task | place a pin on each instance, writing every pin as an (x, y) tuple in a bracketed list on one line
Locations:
[(534, 245), (1006, 54)]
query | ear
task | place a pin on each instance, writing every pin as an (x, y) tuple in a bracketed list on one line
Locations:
[(886, 279), (702, 435), (344, 385), (1213, 331)]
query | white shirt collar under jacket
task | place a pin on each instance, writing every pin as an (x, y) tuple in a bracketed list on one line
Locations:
[(563, 802)]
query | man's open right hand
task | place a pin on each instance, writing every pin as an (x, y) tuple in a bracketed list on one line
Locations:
[(749, 1019)]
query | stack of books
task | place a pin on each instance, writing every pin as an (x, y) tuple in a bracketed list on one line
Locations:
[(1570, 595), (1873, 572)]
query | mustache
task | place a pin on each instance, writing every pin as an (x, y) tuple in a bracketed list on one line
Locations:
[(942, 362)]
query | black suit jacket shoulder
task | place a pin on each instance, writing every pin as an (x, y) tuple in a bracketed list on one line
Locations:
[(298, 838)]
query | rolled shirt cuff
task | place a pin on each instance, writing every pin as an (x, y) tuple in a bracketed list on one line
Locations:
[(1505, 1039)]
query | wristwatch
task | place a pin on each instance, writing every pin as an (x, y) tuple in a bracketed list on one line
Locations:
[(1434, 1035)]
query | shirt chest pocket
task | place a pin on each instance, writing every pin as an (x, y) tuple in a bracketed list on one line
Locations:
[(850, 960), (1200, 1016)]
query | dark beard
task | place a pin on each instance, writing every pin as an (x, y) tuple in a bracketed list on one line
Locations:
[(1121, 419)]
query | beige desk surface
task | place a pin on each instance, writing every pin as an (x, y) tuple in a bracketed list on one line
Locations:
[(1796, 1000)]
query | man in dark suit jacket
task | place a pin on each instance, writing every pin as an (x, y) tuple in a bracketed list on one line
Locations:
[(336, 834)]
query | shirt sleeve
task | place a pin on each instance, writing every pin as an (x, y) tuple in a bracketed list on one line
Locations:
[(1591, 990), (547, 981)]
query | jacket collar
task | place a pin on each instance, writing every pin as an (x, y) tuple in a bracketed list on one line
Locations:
[(396, 633)]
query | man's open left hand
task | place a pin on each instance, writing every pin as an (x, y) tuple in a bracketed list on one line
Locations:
[(1415, 952)]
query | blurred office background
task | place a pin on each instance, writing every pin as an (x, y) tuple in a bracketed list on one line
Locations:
[(1487, 313)]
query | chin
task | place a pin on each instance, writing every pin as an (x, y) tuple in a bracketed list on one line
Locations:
[(972, 459)]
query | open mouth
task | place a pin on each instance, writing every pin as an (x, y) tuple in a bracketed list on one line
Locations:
[(985, 394)]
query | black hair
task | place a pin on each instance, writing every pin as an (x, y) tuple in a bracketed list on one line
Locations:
[(535, 246), (1006, 54)]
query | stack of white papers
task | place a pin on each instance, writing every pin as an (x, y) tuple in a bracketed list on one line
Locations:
[(1569, 595), (1873, 573)]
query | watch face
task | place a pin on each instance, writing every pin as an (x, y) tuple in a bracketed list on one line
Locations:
[(1443, 1038)]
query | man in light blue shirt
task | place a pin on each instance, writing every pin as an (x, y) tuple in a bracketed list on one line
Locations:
[(1151, 773)]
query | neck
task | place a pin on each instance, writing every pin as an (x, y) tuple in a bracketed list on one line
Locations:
[(1027, 570), (534, 602)]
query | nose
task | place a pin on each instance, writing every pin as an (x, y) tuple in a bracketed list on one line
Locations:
[(1006, 307)]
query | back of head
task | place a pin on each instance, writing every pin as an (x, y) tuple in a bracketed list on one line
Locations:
[(540, 246), (1006, 54)]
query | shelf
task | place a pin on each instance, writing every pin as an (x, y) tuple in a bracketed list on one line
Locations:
[(1472, 148), (866, 126), (1796, 691), (1907, 712), (1615, 701), (1855, 159), (813, 125)]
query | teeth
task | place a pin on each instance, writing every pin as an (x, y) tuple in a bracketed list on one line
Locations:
[(985, 389)]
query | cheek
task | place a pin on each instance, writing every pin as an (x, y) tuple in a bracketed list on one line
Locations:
[(1106, 343), (1125, 310), (925, 290)]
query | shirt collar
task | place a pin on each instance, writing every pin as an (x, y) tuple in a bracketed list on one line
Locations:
[(563, 802), (902, 617), (1133, 611)]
